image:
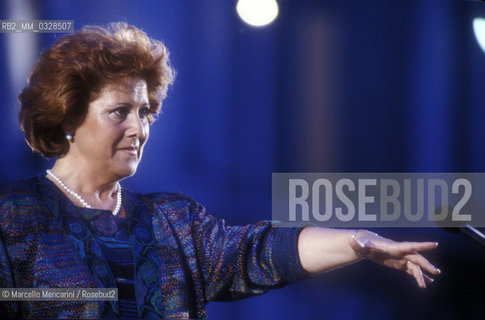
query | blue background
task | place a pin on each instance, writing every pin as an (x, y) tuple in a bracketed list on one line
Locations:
[(330, 86)]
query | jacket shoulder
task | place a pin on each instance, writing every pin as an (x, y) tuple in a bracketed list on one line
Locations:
[(175, 207), (19, 190), (17, 197), (171, 199)]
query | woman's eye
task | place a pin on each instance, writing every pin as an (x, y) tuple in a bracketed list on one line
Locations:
[(120, 112), (144, 112)]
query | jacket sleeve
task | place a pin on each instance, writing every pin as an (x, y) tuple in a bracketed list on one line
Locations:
[(8, 309), (10, 197), (242, 261)]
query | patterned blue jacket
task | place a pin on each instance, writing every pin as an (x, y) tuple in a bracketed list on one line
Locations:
[(183, 258)]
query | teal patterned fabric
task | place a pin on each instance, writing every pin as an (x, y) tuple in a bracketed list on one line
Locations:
[(182, 257)]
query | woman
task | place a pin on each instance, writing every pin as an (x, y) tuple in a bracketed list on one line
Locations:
[(90, 101)]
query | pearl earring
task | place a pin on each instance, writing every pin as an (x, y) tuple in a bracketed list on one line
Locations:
[(68, 137)]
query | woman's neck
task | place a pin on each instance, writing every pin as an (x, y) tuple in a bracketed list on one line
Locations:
[(98, 189)]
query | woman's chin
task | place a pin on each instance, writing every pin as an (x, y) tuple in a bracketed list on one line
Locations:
[(126, 172)]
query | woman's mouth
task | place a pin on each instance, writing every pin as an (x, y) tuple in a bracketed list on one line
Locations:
[(130, 150)]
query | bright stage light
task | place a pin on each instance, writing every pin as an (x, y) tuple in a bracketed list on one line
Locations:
[(479, 29), (257, 13)]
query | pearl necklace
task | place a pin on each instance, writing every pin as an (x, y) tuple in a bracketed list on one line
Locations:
[(80, 199)]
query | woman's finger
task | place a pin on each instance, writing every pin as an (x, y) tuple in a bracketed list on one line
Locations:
[(416, 272), (412, 247), (423, 263), (398, 249), (427, 278)]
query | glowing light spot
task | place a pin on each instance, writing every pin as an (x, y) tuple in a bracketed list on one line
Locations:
[(479, 29), (257, 13)]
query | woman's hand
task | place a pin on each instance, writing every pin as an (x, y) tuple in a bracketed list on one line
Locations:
[(322, 249), (398, 255)]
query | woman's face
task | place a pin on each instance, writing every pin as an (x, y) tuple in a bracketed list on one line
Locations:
[(111, 138)]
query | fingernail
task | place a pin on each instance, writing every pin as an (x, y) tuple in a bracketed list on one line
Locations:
[(439, 271), (436, 244)]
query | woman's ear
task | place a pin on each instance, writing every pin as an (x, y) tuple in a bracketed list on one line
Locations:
[(69, 128)]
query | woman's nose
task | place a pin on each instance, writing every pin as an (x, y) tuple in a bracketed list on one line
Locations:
[(137, 127)]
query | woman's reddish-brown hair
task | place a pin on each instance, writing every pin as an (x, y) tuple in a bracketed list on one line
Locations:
[(73, 71)]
